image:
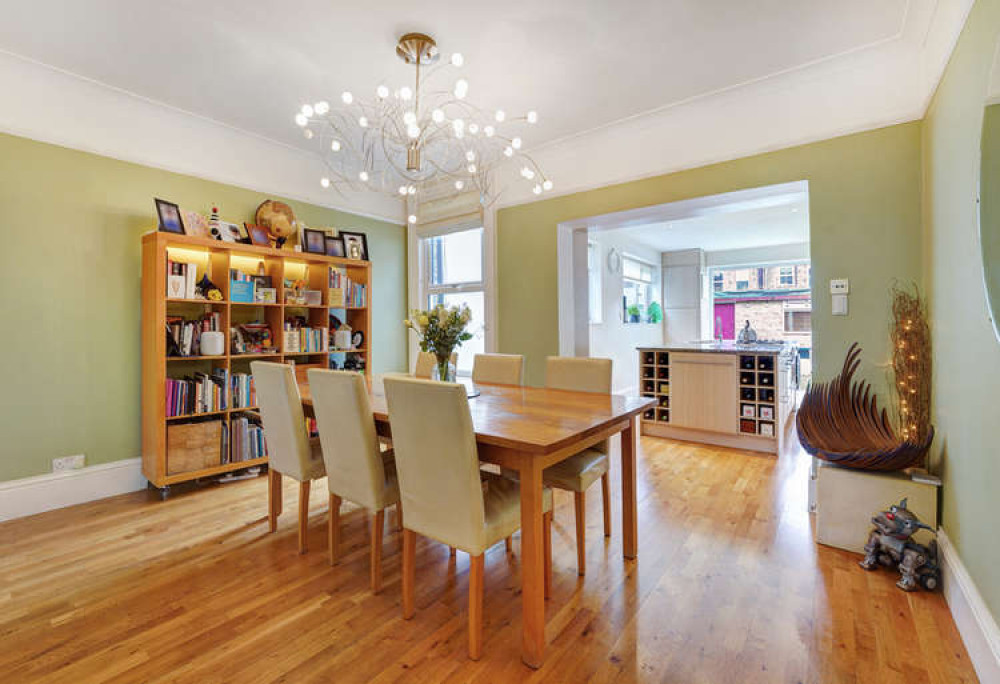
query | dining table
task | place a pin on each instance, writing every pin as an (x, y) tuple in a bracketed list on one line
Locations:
[(528, 429)]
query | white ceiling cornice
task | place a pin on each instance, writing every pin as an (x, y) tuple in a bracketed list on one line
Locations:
[(55, 106), (888, 82), (865, 72)]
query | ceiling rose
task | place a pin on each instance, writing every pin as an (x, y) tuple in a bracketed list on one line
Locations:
[(408, 140)]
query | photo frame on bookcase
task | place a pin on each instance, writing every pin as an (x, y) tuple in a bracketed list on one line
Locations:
[(334, 246), (355, 245), (314, 241), (169, 215)]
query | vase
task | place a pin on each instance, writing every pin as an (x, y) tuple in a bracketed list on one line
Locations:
[(444, 371)]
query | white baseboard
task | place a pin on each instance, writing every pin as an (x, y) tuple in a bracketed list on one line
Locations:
[(41, 493), (972, 617)]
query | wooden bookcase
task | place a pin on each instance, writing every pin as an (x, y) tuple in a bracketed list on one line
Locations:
[(216, 259)]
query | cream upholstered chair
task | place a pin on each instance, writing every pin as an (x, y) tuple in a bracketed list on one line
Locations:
[(444, 493), (356, 469), (578, 472), (290, 451), (498, 369), (426, 362)]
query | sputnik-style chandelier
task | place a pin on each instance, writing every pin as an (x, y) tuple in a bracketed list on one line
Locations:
[(408, 140)]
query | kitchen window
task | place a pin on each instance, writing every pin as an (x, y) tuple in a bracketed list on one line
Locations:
[(637, 289)]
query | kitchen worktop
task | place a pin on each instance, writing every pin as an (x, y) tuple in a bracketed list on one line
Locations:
[(724, 347)]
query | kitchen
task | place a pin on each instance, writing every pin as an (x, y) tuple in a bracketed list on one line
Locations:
[(704, 305)]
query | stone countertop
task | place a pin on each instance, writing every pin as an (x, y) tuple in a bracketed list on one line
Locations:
[(725, 347)]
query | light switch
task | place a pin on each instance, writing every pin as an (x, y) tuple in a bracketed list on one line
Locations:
[(839, 305), (839, 286)]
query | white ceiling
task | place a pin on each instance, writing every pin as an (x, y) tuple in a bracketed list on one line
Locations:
[(580, 64), (587, 66), (768, 217)]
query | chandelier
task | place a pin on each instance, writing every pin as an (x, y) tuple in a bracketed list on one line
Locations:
[(427, 138)]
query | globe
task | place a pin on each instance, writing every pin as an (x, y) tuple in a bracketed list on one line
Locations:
[(278, 218)]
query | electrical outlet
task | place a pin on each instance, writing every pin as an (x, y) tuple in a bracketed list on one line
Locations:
[(65, 463)]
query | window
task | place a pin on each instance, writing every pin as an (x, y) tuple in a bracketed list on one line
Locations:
[(798, 321), (637, 288), (742, 284), (594, 291), (453, 275), (786, 276), (717, 282)]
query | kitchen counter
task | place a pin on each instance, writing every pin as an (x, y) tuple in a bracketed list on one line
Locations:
[(735, 395), (726, 347)]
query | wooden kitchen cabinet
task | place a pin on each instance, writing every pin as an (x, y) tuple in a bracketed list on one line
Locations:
[(702, 391)]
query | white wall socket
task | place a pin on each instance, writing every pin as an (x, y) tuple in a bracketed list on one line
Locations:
[(839, 286), (65, 463)]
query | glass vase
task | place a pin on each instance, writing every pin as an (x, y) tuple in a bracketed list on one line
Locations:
[(444, 370)]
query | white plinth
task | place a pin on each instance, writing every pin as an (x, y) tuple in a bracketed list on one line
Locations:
[(847, 499)]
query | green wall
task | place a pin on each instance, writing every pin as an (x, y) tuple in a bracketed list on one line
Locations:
[(70, 226), (966, 352), (864, 196)]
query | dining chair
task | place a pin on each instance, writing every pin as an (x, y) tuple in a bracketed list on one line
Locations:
[(445, 495), (426, 362), (498, 369), (578, 472), (289, 449), (356, 469)]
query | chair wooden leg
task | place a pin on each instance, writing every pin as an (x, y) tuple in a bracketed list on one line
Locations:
[(581, 532), (409, 571), (273, 498), (476, 607), (606, 495), (378, 525), (399, 515), (304, 515), (547, 550), (333, 527), (451, 551), (508, 544)]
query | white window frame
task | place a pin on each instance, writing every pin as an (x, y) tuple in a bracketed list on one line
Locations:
[(782, 276), (648, 283)]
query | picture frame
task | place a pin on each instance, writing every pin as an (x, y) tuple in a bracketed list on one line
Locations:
[(334, 246), (195, 224), (231, 232), (355, 245), (169, 215), (258, 235), (314, 241)]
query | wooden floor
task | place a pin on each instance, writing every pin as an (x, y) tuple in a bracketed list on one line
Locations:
[(729, 587)]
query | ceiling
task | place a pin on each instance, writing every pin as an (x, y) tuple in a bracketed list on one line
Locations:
[(720, 223), (623, 90), (582, 65)]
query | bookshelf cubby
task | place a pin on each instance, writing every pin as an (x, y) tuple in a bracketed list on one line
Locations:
[(216, 259)]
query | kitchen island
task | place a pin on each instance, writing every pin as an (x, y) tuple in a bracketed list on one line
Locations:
[(723, 393)]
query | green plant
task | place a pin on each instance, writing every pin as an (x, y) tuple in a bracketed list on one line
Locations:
[(440, 330), (633, 313), (655, 313)]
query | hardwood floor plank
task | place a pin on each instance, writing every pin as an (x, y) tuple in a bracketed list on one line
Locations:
[(729, 587)]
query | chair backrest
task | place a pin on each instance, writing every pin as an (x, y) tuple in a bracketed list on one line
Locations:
[(426, 362), (436, 460), (282, 417), (498, 369), (353, 461), (578, 374)]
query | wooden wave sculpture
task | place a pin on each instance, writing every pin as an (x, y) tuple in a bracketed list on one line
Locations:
[(841, 422)]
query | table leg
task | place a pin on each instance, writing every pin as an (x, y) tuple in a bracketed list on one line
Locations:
[(532, 565), (630, 527)]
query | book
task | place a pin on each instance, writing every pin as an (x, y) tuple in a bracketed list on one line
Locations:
[(197, 393)]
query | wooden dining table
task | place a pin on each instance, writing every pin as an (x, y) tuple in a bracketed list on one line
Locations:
[(528, 429)]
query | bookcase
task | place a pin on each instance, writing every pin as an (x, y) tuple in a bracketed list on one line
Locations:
[(198, 440)]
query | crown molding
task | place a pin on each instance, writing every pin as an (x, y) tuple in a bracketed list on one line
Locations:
[(55, 106), (886, 83)]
